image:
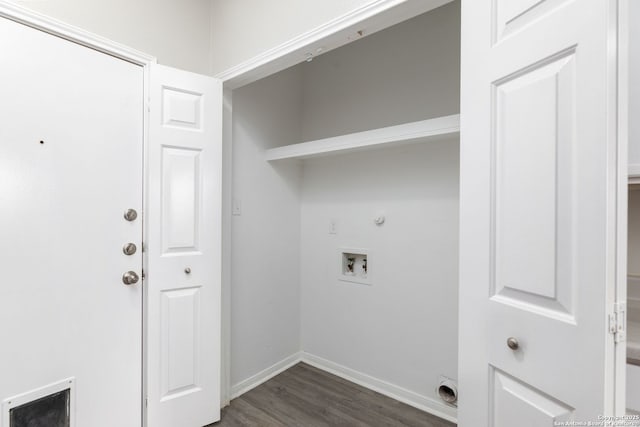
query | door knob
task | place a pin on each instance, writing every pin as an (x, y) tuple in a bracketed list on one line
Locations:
[(129, 249), (130, 215), (513, 343), (130, 278)]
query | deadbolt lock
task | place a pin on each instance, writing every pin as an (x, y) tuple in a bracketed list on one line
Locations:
[(129, 249), (130, 278), (130, 215)]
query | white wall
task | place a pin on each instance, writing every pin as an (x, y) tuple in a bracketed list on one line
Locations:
[(633, 243), (403, 328), (265, 241), (177, 32), (266, 24), (634, 83), (633, 256), (405, 73)]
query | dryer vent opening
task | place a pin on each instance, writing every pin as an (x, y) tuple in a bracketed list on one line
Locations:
[(448, 391)]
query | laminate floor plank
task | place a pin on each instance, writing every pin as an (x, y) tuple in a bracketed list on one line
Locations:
[(243, 414), (285, 407), (304, 396), (366, 399), (349, 402), (340, 410), (369, 405)]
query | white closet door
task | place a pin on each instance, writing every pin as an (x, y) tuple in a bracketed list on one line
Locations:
[(71, 150), (539, 188), (184, 249)]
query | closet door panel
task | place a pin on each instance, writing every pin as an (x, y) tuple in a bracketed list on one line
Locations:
[(534, 118), (181, 200), (516, 403), (184, 249), (180, 342)]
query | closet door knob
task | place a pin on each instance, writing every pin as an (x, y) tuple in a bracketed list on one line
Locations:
[(513, 343)]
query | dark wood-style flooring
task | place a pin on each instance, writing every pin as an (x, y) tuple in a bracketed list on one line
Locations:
[(304, 396)]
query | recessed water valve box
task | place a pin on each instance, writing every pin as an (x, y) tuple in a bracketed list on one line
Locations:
[(355, 265)]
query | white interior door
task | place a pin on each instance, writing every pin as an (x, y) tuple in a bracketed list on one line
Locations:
[(71, 150), (184, 249), (539, 192)]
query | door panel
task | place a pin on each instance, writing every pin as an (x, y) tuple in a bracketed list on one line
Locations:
[(71, 157), (514, 400), (180, 200), (184, 249), (534, 120), (180, 316), (511, 16), (539, 185)]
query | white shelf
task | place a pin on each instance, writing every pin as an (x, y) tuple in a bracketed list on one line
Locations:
[(421, 131)]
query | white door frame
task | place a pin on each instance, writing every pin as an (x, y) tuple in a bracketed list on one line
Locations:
[(76, 35)]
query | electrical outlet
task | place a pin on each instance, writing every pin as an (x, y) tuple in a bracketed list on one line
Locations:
[(333, 226)]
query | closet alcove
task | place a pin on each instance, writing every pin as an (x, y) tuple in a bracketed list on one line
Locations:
[(354, 153)]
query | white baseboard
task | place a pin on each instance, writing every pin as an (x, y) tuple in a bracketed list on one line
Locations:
[(265, 375), (403, 395)]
